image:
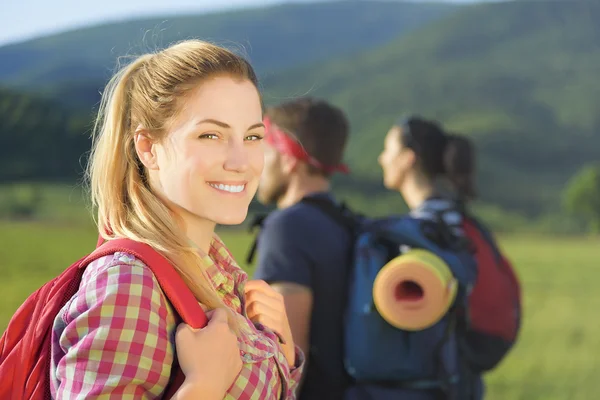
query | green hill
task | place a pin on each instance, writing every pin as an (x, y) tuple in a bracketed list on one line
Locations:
[(520, 77), (273, 38), (39, 139)]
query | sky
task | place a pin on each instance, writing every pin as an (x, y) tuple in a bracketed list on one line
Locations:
[(25, 19)]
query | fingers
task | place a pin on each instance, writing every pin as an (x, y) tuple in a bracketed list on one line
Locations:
[(269, 322), (256, 307), (257, 303), (217, 316), (265, 295), (261, 313), (259, 286), (259, 295), (264, 305)]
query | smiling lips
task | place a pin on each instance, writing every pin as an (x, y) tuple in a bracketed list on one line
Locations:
[(237, 187)]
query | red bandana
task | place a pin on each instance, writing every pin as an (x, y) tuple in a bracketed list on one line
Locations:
[(284, 144)]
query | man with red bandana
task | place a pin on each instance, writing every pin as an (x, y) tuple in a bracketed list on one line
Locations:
[(303, 252)]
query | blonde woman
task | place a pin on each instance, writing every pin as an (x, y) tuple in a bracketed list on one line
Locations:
[(177, 150)]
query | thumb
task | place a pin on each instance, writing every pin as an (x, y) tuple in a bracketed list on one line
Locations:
[(183, 326), (219, 315)]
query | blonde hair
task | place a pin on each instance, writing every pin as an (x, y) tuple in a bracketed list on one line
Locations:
[(148, 93)]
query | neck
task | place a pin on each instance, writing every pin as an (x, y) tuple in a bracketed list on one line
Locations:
[(200, 231), (301, 186), (415, 192)]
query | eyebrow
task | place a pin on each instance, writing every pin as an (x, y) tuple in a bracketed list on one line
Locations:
[(226, 126)]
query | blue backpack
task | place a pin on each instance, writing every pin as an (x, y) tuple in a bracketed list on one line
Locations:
[(377, 354)]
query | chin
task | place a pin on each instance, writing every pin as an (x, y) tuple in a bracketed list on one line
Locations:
[(233, 218)]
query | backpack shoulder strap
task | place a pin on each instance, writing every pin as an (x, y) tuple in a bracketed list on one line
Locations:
[(180, 296), (339, 213), (178, 293), (257, 222), (441, 233)]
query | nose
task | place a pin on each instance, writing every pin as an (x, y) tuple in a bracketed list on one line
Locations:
[(237, 157)]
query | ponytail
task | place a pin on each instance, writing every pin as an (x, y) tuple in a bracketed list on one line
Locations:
[(459, 166), (112, 152)]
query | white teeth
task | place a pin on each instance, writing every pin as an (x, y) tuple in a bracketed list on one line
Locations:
[(228, 188)]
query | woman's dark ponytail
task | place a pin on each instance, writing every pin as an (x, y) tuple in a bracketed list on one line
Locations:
[(459, 166)]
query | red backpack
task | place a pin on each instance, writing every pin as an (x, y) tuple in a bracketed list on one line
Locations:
[(25, 345), (494, 303)]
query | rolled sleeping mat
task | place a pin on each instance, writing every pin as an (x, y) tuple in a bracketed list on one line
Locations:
[(414, 290)]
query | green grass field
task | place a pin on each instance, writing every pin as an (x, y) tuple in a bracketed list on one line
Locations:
[(555, 359)]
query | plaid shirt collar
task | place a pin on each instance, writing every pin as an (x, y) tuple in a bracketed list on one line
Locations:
[(226, 276)]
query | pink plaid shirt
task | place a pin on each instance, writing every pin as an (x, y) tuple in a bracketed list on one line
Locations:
[(115, 339)]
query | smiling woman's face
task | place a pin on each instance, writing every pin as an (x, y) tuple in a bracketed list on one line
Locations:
[(209, 164)]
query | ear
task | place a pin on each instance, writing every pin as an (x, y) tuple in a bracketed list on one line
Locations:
[(288, 164), (408, 158), (145, 148)]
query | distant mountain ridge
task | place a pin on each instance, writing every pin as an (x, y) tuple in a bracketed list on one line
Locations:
[(519, 77), (273, 38)]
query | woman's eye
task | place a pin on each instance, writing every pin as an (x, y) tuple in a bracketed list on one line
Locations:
[(254, 137), (209, 136)]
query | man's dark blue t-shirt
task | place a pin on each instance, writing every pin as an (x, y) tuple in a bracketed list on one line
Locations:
[(303, 245)]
